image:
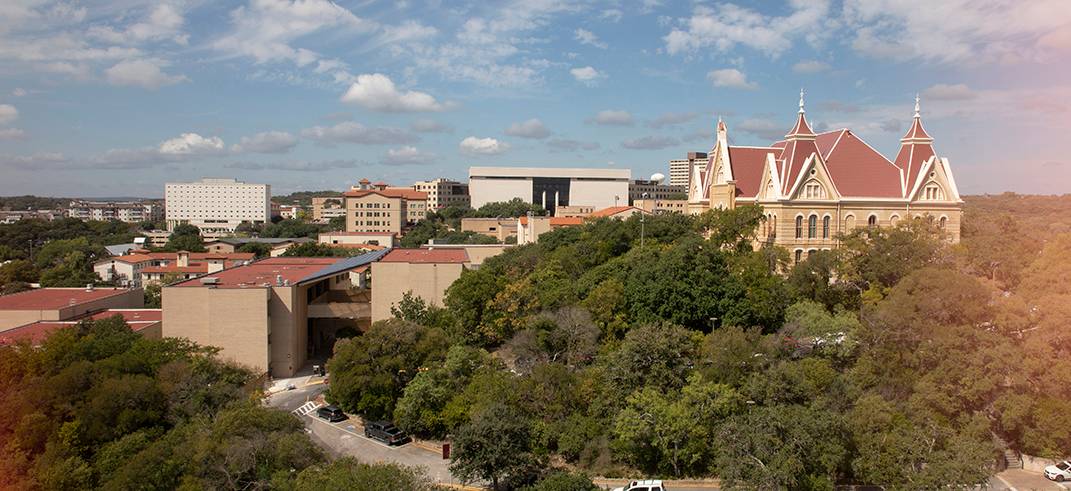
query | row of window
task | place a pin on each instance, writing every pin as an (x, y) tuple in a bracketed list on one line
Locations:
[(812, 227)]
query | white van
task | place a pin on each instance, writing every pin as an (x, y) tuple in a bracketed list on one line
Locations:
[(644, 485)]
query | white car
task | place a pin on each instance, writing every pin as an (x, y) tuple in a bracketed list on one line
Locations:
[(1059, 472), (644, 485)]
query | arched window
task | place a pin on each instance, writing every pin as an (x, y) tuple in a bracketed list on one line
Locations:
[(894, 220), (943, 222), (810, 252), (773, 226), (825, 227), (799, 255), (872, 221), (799, 227), (812, 227), (813, 190), (849, 222)]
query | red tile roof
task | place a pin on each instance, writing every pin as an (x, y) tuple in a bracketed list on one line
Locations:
[(404, 193), (131, 258), (429, 255), (559, 221), (747, 164), (349, 234), (171, 268), (611, 211), (201, 256), (55, 298)]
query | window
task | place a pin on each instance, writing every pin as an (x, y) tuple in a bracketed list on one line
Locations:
[(943, 222), (825, 227), (799, 255), (894, 220), (872, 220), (932, 192), (799, 227), (849, 222), (813, 190), (812, 227)]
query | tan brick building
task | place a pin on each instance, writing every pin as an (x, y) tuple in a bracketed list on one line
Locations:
[(271, 315), (63, 304), (379, 208), (814, 187), (427, 272)]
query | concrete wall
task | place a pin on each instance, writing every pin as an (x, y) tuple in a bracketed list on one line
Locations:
[(385, 239), (497, 228), (390, 281), (484, 190), (233, 319), (599, 194), (287, 312)]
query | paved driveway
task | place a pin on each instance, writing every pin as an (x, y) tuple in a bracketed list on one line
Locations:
[(1021, 480)]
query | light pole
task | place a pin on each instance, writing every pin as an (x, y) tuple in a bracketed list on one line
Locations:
[(641, 222)]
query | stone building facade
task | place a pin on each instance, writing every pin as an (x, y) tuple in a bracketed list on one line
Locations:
[(816, 186)]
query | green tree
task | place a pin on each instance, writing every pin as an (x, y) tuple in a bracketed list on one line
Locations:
[(185, 237), (259, 249), (369, 372), (349, 473), (563, 481), (658, 356), (494, 446)]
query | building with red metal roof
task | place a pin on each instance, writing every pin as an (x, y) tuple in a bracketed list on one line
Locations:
[(62, 304), (814, 187), (146, 322)]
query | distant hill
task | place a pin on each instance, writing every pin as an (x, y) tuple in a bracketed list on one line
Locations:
[(303, 198), (23, 203), (1039, 216)]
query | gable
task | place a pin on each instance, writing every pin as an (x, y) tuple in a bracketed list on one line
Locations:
[(860, 171)]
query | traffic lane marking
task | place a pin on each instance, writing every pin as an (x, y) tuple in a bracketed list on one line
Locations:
[(354, 433)]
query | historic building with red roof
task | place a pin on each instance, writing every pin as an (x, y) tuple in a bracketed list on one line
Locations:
[(816, 186), (381, 209)]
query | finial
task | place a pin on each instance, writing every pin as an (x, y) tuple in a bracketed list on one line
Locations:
[(916, 104), (801, 101)]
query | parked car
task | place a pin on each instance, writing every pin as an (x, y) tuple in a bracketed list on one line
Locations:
[(331, 413), (644, 485), (1059, 472), (385, 432)]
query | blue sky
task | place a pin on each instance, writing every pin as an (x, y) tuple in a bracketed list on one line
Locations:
[(115, 98)]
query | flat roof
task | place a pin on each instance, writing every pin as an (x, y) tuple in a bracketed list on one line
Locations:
[(55, 298), (265, 273), (426, 256), (570, 172), (348, 234)]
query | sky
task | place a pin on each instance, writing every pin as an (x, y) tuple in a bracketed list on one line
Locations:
[(116, 98)]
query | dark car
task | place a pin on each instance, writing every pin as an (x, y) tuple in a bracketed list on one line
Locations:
[(331, 413), (385, 432)]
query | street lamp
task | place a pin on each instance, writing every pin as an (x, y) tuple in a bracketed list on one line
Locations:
[(645, 195)]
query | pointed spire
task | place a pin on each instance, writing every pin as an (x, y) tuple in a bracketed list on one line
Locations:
[(802, 129), (916, 132)]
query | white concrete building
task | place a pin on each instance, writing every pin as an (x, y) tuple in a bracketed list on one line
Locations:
[(680, 170), (216, 205), (549, 187), (443, 192), (123, 211)]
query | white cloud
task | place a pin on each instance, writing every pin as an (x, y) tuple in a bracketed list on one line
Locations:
[(163, 22), (8, 113), (405, 32), (407, 155), (945, 92), (762, 128), (730, 78), (143, 73), (353, 132), (729, 25), (810, 66), (377, 92), (532, 128), (958, 31), (567, 145), (671, 119), (297, 166), (482, 146), (430, 126), (267, 31), (612, 117), (19, 92), (589, 38), (266, 142), (587, 75), (612, 15), (12, 134), (33, 162), (192, 144), (650, 143)]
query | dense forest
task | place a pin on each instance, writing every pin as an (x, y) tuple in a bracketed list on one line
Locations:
[(897, 360)]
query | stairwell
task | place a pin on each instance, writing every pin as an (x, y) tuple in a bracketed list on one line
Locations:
[(1012, 460)]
